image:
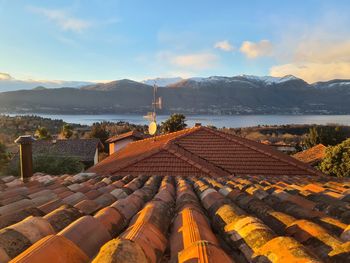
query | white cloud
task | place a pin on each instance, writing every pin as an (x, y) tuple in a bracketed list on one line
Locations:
[(5, 76), (224, 45), (258, 49), (63, 19), (196, 61)]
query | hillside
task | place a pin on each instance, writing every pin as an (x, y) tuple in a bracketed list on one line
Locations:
[(214, 95)]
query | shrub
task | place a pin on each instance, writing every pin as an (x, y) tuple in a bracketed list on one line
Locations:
[(325, 135), (53, 165), (337, 160)]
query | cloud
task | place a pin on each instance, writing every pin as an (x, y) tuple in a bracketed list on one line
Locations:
[(5, 76), (63, 19), (317, 56), (313, 72), (196, 61), (224, 45), (253, 50)]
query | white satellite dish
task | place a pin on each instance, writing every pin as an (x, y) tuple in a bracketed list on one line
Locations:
[(152, 128)]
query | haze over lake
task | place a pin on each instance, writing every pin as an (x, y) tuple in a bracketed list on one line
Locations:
[(218, 121)]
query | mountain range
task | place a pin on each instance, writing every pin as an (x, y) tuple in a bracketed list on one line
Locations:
[(244, 94)]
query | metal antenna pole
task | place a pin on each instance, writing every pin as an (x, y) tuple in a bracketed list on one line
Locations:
[(154, 107)]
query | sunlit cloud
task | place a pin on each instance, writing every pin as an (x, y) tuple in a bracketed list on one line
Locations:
[(224, 45), (5, 76), (256, 49), (313, 72), (63, 19), (317, 56)]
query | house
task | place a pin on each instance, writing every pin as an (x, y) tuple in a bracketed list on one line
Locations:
[(200, 151), (118, 142), (312, 156), (225, 199), (86, 150)]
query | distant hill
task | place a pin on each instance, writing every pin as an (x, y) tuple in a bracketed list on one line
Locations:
[(8, 83), (214, 95)]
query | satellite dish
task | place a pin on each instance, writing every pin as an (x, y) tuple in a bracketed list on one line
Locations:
[(152, 128)]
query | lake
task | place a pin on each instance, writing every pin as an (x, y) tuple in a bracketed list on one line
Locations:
[(218, 121)]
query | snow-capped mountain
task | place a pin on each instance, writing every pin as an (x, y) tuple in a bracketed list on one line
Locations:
[(8, 83), (335, 83), (269, 80), (162, 82), (241, 80)]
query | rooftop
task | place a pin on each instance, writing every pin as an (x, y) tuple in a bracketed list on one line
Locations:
[(200, 151), (131, 134), (84, 149), (312, 155), (115, 218)]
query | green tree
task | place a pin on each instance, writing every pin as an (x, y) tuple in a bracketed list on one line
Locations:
[(327, 135), (67, 131), (57, 165), (4, 158), (337, 160), (42, 133), (176, 122)]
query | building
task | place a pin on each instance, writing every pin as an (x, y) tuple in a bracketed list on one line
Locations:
[(86, 150), (312, 156), (118, 142), (225, 199), (200, 151)]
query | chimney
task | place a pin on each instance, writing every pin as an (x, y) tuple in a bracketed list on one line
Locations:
[(26, 159), (197, 124)]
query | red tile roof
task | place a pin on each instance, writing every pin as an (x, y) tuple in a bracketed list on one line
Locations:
[(312, 155), (95, 218), (213, 152), (131, 134)]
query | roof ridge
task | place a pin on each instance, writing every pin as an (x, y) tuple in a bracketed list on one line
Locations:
[(229, 137), (174, 149), (184, 131)]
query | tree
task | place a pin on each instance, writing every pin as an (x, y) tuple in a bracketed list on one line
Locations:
[(176, 122), (327, 135), (67, 131), (337, 160), (42, 134), (99, 131), (4, 158)]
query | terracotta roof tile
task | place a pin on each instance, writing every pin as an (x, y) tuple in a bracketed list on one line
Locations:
[(230, 218), (131, 134), (212, 152), (312, 155)]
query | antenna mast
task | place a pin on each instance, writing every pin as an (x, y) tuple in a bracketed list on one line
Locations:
[(152, 116)]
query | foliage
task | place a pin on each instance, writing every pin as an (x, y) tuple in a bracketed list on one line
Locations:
[(4, 158), (99, 131), (12, 127), (42, 133), (327, 135), (337, 160), (176, 122), (67, 131), (53, 165)]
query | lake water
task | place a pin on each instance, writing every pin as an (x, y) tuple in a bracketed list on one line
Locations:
[(218, 121)]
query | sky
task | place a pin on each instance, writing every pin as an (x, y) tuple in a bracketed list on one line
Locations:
[(115, 39)]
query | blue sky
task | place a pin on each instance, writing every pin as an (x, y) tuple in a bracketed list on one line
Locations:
[(115, 39)]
